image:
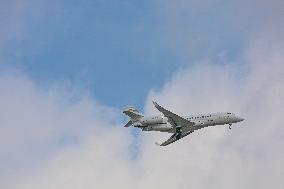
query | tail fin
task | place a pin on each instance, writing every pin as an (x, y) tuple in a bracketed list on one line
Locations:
[(132, 113)]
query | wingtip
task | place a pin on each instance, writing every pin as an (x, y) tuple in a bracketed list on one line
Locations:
[(157, 144), (128, 124), (155, 103)]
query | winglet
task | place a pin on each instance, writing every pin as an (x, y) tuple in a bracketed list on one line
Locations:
[(160, 108), (157, 105)]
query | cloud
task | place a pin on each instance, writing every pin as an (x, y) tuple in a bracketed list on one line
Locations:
[(60, 138), (192, 30), (80, 143), (254, 89), (39, 126)]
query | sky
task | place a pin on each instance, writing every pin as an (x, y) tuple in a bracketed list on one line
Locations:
[(67, 68)]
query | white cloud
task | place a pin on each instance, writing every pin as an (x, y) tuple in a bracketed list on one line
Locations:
[(40, 128), (250, 155), (48, 139)]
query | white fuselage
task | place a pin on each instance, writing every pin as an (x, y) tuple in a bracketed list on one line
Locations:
[(160, 123)]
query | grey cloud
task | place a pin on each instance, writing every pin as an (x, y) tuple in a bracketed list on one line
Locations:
[(248, 156), (251, 154), (192, 29), (37, 124)]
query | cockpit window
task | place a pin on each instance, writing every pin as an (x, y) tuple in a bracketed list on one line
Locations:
[(229, 113)]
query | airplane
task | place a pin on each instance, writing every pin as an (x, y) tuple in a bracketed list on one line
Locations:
[(180, 126)]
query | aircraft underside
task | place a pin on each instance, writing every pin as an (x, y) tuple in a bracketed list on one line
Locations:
[(178, 125)]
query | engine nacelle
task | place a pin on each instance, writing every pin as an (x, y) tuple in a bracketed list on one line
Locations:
[(137, 124), (152, 120)]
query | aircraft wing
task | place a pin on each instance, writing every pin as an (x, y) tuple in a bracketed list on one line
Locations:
[(173, 119), (176, 136), (128, 124)]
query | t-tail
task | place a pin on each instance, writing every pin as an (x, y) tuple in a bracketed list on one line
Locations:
[(133, 114)]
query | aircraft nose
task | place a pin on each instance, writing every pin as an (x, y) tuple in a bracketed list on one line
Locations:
[(240, 119)]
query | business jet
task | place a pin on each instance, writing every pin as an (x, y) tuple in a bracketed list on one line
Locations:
[(180, 126)]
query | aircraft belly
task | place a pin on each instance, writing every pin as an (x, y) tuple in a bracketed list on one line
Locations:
[(221, 122), (186, 129), (158, 127), (179, 126)]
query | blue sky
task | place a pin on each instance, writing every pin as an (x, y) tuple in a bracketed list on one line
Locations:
[(68, 67), (117, 50)]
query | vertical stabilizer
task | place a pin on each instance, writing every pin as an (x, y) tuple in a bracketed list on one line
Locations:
[(132, 113)]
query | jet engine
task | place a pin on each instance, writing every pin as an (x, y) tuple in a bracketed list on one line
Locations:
[(152, 120), (137, 124)]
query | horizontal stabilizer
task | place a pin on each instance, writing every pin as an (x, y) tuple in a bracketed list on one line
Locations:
[(128, 124), (132, 113)]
